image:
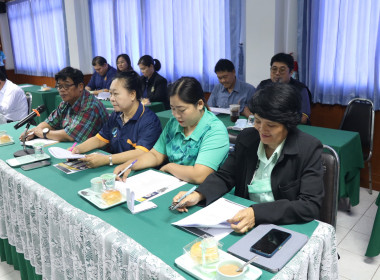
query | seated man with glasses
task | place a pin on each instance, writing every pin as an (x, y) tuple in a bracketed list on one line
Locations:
[(79, 116), (281, 71)]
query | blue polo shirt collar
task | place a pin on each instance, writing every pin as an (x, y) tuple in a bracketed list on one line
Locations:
[(202, 126), (140, 111)]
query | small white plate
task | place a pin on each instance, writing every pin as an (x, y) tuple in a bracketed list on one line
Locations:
[(96, 199), (8, 143), (187, 264)]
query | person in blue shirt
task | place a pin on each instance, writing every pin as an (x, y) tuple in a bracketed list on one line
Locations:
[(131, 130), (102, 78), (193, 144), (230, 89), (2, 61)]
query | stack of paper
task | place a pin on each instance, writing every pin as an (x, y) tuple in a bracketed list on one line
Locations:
[(63, 154)]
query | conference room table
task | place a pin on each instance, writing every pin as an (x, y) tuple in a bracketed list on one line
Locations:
[(47, 229), (346, 143), (39, 97), (154, 106)]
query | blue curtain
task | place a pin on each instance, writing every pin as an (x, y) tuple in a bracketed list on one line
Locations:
[(38, 36), (339, 49), (188, 37)]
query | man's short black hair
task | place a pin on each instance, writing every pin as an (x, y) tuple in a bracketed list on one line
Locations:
[(72, 73), (99, 60), (284, 58), (224, 65)]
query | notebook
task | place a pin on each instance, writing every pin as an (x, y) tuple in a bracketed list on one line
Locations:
[(241, 249)]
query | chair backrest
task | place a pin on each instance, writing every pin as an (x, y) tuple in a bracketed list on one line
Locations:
[(360, 117), (330, 162), (29, 101)]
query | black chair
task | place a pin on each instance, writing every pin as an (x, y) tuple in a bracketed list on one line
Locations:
[(29, 101), (360, 117), (330, 162)]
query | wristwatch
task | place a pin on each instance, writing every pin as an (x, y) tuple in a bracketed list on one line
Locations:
[(110, 157), (45, 131)]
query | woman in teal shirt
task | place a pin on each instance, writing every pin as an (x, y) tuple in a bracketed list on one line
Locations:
[(194, 142)]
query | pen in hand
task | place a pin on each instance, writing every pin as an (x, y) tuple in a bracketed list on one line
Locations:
[(72, 147), (125, 169), (178, 204)]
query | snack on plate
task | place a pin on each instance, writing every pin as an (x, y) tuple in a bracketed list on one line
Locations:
[(4, 139), (111, 196), (211, 254)]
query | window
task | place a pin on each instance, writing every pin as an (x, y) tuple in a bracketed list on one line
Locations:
[(188, 37), (38, 36), (340, 49)]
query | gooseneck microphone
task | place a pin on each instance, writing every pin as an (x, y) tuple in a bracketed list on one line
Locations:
[(31, 116)]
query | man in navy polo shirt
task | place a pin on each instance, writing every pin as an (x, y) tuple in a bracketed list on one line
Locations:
[(102, 78)]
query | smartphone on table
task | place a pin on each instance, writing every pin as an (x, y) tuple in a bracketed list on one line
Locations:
[(35, 165), (270, 243)]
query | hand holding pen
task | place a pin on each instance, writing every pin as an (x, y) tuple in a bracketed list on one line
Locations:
[(120, 173), (185, 199)]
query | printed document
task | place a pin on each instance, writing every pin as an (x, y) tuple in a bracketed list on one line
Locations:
[(149, 184), (212, 219), (58, 152)]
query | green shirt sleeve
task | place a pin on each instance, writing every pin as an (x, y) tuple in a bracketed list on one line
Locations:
[(215, 146)]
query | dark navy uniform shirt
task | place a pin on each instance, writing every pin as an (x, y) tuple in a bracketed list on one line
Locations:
[(140, 132)]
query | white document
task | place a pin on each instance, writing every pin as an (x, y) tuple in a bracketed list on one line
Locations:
[(104, 95), (46, 142), (58, 152), (240, 124), (214, 215), (216, 110), (25, 86), (149, 184), (146, 205)]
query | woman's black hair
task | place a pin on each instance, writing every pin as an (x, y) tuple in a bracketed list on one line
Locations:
[(130, 81), (189, 90), (127, 59), (278, 102), (147, 60)]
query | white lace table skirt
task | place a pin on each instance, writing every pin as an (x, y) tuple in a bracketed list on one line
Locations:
[(63, 242)]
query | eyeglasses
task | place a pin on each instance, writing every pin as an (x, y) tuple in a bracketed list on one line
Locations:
[(274, 69), (63, 86)]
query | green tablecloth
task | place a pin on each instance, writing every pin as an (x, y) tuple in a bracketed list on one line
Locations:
[(151, 229), (348, 147), (42, 97), (165, 116), (154, 106), (373, 248)]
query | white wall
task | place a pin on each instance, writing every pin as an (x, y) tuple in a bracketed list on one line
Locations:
[(271, 27), (79, 35)]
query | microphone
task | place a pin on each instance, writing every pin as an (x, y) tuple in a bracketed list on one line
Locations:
[(31, 116)]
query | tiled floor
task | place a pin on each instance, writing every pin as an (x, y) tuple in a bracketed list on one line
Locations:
[(353, 231)]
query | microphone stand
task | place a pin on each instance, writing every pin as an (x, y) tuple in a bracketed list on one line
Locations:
[(24, 151)]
